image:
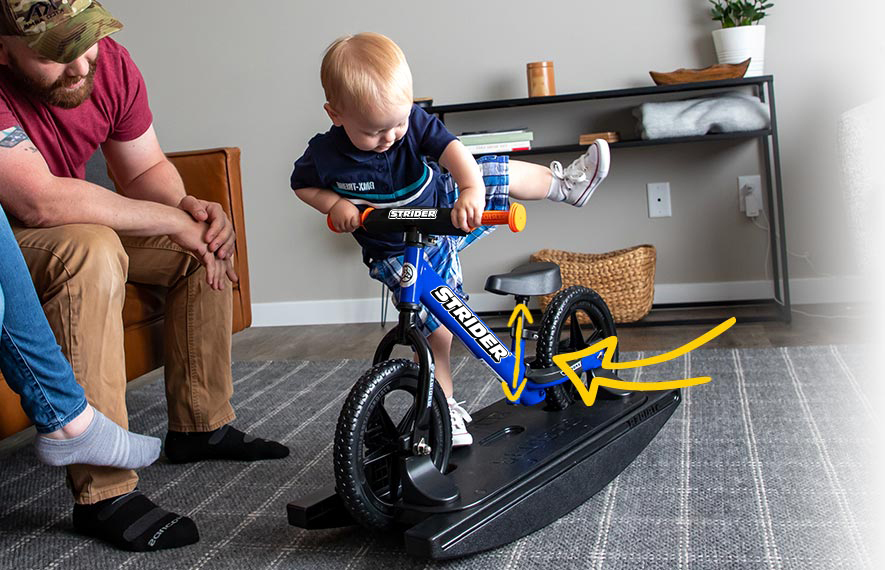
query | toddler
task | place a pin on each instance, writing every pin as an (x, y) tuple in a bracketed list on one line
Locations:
[(375, 155)]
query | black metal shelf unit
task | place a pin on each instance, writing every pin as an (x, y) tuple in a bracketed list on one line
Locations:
[(762, 86)]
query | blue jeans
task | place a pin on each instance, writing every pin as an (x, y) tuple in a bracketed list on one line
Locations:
[(30, 359)]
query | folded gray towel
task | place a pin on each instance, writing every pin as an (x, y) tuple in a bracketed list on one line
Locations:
[(732, 112)]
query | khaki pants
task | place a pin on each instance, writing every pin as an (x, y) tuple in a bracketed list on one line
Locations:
[(80, 272)]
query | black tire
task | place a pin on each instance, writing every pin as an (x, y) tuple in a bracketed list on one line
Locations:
[(366, 430), (559, 333)]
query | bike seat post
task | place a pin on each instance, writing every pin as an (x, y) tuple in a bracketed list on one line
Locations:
[(520, 300)]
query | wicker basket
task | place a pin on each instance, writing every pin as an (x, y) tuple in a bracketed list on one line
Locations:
[(624, 278)]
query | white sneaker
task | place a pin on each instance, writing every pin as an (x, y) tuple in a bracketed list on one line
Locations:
[(584, 175), (460, 418), (456, 406)]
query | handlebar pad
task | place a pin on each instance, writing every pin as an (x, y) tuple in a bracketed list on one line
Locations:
[(436, 221)]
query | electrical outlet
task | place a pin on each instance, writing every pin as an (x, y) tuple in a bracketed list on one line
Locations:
[(750, 195), (659, 200)]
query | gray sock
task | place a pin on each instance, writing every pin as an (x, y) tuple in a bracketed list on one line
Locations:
[(103, 443)]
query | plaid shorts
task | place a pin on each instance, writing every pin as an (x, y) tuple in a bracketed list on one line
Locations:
[(443, 255)]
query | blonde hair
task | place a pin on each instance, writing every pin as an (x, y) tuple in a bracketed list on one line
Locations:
[(364, 70)]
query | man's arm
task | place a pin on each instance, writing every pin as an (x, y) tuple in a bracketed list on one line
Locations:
[(30, 192), (143, 172)]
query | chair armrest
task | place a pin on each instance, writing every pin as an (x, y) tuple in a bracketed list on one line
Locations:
[(214, 175)]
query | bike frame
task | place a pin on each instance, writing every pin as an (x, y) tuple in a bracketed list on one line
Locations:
[(422, 284)]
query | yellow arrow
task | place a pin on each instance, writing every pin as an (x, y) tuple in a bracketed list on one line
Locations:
[(518, 313), (588, 395)]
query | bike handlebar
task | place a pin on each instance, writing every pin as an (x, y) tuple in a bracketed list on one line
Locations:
[(434, 220)]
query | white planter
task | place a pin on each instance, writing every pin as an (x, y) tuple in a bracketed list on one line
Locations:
[(734, 45)]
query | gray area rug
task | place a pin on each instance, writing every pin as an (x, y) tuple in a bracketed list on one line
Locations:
[(769, 466)]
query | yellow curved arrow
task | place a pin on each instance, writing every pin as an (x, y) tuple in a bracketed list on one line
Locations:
[(518, 312), (588, 395)]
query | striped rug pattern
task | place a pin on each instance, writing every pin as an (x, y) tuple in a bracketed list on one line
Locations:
[(773, 465)]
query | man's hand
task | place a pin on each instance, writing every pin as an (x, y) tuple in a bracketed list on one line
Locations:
[(221, 236), (468, 209), (191, 237), (345, 216)]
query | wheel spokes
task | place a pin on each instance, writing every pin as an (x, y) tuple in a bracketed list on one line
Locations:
[(595, 337), (382, 447), (390, 429), (405, 424), (576, 340), (393, 484), (379, 454)]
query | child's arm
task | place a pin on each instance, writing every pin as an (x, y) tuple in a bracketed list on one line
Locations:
[(467, 212), (345, 216)]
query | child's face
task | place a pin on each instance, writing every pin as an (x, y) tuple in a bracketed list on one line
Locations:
[(375, 130)]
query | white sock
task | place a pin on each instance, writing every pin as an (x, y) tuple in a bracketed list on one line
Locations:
[(557, 190)]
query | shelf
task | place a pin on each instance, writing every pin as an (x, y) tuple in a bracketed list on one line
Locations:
[(564, 148), (591, 95), (777, 308)]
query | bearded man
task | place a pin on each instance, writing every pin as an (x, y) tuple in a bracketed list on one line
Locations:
[(66, 89)]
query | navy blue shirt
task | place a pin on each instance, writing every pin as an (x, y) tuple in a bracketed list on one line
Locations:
[(399, 176)]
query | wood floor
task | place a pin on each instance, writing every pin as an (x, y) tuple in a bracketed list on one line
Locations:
[(812, 325)]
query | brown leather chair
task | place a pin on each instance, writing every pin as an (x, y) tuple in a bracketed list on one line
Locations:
[(212, 175)]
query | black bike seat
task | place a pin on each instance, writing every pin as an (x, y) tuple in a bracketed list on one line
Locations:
[(536, 278)]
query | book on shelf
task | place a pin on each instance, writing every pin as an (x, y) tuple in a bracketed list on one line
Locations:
[(609, 136), (492, 137), (499, 147)]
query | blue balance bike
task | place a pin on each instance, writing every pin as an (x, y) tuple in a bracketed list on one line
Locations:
[(533, 459)]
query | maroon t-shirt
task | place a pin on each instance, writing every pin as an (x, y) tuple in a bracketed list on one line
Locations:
[(67, 138)]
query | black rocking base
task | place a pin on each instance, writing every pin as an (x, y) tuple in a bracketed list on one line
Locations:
[(526, 468)]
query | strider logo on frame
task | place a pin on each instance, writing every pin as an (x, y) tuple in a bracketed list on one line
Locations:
[(470, 323), (412, 214)]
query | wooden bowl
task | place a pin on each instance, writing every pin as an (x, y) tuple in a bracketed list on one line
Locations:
[(712, 73)]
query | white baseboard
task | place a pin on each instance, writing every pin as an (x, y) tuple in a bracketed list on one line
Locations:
[(340, 311)]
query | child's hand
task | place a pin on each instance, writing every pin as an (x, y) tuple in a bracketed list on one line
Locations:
[(467, 213), (345, 216)]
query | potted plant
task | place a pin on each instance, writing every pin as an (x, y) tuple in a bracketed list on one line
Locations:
[(741, 35)]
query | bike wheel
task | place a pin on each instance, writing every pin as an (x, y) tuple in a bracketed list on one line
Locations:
[(562, 331), (379, 409)]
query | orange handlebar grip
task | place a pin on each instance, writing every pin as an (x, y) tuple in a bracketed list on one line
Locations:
[(515, 218), (495, 217), (329, 223)]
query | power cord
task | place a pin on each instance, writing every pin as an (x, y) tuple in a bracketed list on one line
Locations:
[(807, 257)]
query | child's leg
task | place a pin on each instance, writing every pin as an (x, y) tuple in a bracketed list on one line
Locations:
[(529, 181), (440, 341), (573, 184)]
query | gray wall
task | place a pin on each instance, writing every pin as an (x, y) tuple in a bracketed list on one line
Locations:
[(246, 74)]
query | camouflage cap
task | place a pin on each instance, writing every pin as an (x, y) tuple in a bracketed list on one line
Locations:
[(60, 30)]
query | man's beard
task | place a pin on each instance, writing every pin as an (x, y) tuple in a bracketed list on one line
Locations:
[(56, 93)]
